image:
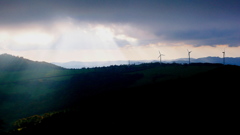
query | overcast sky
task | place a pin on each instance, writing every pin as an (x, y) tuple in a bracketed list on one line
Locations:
[(104, 30)]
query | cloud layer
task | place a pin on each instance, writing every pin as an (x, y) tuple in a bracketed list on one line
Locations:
[(199, 22), (110, 24)]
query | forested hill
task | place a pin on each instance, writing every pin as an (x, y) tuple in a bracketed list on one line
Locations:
[(12, 63), (115, 99)]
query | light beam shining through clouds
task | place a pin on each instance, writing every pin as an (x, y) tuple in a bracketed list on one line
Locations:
[(69, 30)]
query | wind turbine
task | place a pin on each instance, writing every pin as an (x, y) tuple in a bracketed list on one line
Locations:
[(224, 56), (160, 57), (189, 52)]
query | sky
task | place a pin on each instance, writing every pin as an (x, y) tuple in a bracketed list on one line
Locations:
[(109, 30)]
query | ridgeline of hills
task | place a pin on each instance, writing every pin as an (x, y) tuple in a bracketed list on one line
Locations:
[(12, 63), (78, 64), (150, 97), (228, 60)]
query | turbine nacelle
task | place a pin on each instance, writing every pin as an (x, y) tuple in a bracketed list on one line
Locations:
[(224, 56), (189, 51), (160, 54)]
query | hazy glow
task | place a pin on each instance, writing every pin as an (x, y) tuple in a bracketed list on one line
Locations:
[(84, 36), (175, 51), (25, 38), (74, 55), (32, 38), (131, 52), (127, 38), (70, 41), (105, 34)]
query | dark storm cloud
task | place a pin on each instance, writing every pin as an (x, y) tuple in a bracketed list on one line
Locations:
[(205, 37), (202, 22)]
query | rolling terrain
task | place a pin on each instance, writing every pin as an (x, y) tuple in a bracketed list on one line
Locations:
[(209, 59), (127, 98)]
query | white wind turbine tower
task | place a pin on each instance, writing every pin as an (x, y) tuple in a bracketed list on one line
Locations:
[(189, 52), (224, 56), (160, 57)]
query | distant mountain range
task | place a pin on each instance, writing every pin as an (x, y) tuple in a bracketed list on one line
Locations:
[(228, 60), (78, 64), (13, 63)]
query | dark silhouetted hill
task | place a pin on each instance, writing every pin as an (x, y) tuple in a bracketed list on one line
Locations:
[(144, 98), (115, 99), (12, 63)]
